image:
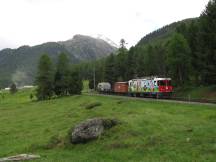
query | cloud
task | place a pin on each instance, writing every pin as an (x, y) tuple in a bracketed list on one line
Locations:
[(31, 22)]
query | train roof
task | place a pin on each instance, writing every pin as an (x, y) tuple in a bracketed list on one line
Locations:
[(104, 83), (148, 78), (121, 82), (162, 78)]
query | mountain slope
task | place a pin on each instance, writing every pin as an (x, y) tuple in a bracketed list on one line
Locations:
[(23, 60), (163, 34)]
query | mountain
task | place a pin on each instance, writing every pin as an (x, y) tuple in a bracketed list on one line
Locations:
[(164, 33), (19, 65), (100, 36), (85, 47)]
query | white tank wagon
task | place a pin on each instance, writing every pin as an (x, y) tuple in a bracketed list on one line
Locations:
[(104, 87)]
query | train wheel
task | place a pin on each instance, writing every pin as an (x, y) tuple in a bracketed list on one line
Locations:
[(137, 95)]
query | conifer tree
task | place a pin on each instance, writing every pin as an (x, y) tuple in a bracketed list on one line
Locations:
[(131, 64), (75, 83), (110, 69), (45, 78), (141, 61), (61, 83), (91, 83), (207, 37), (179, 60), (120, 62)]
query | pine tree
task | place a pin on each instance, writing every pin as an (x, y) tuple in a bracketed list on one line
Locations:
[(45, 78), (131, 64), (141, 62), (120, 62), (99, 71), (156, 60), (75, 84), (207, 37), (110, 69), (196, 56), (61, 83), (91, 83), (179, 59), (122, 44)]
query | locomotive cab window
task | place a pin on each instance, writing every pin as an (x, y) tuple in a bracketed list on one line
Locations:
[(169, 82), (161, 83), (164, 82)]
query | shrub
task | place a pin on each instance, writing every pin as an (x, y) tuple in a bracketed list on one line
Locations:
[(13, 88)]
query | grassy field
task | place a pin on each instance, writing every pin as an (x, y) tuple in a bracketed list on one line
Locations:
[(202, 92), (149, 131)]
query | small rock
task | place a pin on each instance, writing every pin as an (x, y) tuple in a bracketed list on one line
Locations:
[(20, 157)]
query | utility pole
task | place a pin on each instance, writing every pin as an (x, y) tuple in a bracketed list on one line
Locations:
[(94, 77)]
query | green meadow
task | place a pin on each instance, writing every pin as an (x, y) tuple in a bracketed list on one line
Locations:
[(150, 131)]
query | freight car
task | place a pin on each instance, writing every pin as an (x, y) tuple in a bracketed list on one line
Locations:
[(142, 87), (121, 88), (104, 87)]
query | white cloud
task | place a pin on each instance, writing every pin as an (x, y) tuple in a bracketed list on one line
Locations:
[(36, 21)]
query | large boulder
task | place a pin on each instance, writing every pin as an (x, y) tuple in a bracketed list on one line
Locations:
[(91, 129)]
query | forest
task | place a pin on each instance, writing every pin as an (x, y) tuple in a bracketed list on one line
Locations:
[(184, 51)]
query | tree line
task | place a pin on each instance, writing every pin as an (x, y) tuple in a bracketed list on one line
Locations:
[(188, 56), (56, 79)]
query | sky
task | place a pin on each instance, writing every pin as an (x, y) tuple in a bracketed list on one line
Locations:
[(32, 22)]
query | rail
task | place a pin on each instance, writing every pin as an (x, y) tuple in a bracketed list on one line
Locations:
[(172, 99)]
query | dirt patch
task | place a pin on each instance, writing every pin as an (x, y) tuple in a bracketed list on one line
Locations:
[(55, 141), (91, 105)]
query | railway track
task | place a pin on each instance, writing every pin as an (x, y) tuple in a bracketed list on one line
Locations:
[(172, 100)]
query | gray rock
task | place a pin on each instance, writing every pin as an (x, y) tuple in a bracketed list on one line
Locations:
[(20, 157), (91, 129)]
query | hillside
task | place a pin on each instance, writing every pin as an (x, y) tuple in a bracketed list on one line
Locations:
[(162, 34), (23, 60), (149, 130)]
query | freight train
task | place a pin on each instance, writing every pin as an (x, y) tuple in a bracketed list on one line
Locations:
[(142, 87)]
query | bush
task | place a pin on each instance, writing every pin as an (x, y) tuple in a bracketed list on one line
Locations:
[(13, 88)]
